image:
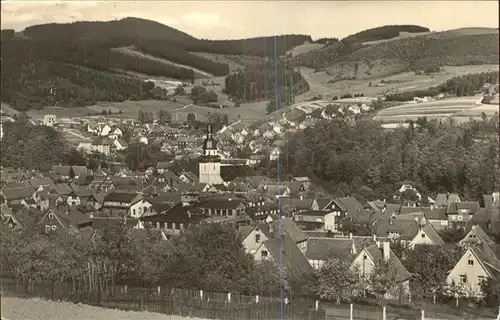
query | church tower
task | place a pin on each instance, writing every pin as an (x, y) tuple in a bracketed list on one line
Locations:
[(209, 162)]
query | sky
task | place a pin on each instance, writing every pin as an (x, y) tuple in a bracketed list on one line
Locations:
[(242, 19)]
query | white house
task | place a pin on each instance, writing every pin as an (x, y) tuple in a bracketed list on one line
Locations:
[(274, 154), (49, 120), (115, 133), (252, 237), (476, 236), (477, 264)]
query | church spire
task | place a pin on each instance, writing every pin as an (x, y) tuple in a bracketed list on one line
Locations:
[(209, 131)]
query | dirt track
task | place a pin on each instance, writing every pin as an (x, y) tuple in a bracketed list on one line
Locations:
[(38, 309)]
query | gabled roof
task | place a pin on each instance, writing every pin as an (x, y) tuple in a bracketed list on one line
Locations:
[(65, 170), (456, 207), (312, 213), (479, 234), (126, 197), (407, 229), (489, 257), (443, 199), (191, 176), (41, 181), (395, 265), (101, 223), (296, 203), (435, 213), (221, 204), (62, 189), (244, 231), (322, 248), (292, 258), (289, 227), (432, 234), (17, 193), (349, 204), (323, 202)]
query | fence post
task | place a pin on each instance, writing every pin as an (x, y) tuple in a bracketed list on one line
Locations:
[(317, 305), (257, 299), (351, 311), (229, 297), (201, 294), (125, 289), (384, 314), (159, 290), (422, 314), (286, 300)]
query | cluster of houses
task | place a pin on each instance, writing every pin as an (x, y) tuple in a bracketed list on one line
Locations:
[(269, 215)]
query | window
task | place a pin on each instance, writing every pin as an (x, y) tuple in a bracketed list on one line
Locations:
[(54, 228), (47, 228), (481, 279), (133, 212), (173, 225), (463, 278), (263, 253), (51, 216), (423, 235), (257, 238), (470, 262), (182, 226), (162, 225)]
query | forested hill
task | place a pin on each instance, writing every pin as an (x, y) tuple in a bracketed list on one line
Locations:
[(129, 27), (38, 58)]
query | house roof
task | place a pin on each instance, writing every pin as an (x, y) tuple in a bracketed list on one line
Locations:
[(489, 257), (456, 207), (322, 248), (407, 228), (41, 181), (127, 197), (487, 218), (289, 227), (349, 204), (17, 193), (293, 259), (244, 231), (80, 191), (296, 203), (72, 217), (432, 234), (435, 213), (480, 235), (62, 189), (312, 213), (191, 176), (395, 265), (221, 204), (177, 214), (443, 199), (65, 170)]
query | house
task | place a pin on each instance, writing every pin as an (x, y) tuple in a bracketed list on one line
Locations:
[(319, 249), (409, 229), (444, 199), (274, 155), (282, 250), (69, 172), (102, 185), (477, 264), (189, 177), (174, 220), (114, 133), (291, 206), (316, 220), (460, 213), (272, 228), (476, 236), (49, 120), (129, 204), (232, 208), (55, 219), (343, 206), (436, 216), (120, 144), (14, 196), (252, 237), (381, 255), (102, 145)]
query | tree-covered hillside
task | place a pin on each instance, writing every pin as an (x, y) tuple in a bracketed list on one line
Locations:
[(384, 32)]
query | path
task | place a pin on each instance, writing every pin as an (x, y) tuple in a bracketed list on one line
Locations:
[(133, 52), (187, 105), (76, 134)]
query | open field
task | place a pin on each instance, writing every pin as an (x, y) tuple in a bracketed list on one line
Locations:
[(401, 36), (460, 108), (304, 48), (407, 81), (38, 309)]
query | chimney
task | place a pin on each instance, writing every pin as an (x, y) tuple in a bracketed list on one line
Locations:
[(353, 248), (387, 251)]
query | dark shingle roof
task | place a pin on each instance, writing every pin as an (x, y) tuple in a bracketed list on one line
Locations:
[(293, 259), (456, 207), (322, 248), (17, 193), (120, 197), (395, 264), (220, 204), (289, 227)]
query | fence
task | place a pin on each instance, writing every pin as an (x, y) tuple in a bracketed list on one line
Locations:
[(171, 301)]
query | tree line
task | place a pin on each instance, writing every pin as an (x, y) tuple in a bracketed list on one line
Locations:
[(385, 32), (209, 257), (466, 85), (364, 160)]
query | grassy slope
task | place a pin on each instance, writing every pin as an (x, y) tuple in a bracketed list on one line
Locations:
[(454, 47)]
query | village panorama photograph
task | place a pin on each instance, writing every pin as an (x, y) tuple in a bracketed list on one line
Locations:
[(249, 160)]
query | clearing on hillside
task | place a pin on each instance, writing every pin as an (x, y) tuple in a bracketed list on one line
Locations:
[(305, 48), (133, 52)]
